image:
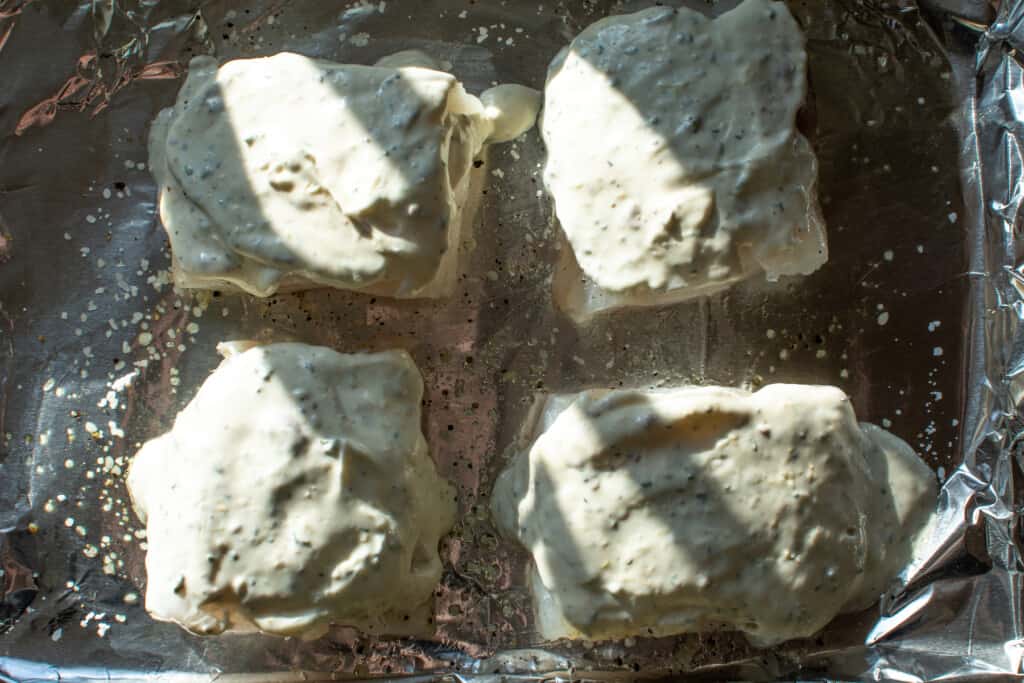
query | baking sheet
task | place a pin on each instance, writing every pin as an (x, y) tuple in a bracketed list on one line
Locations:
[(914, 113)]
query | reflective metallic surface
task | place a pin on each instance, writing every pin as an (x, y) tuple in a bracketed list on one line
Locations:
[(915, 114)]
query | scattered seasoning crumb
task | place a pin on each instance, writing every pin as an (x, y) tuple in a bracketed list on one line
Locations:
[(937, 351), (883, 318)]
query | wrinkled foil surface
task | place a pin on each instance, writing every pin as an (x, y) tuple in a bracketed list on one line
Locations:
[(915, 111)]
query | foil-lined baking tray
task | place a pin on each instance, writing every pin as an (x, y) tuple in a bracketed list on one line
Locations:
[(915, 114)]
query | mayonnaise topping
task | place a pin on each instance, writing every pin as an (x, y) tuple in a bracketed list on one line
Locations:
[(653, 513), (673, 155), (288, 171), (295, 490)]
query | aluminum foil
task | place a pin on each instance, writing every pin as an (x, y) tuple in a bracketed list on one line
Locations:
[(915, 113)]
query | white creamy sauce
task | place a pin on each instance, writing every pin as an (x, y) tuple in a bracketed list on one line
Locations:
[(293, 172), (653, 513), (673, 155), (293, 491), (513, 109)]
